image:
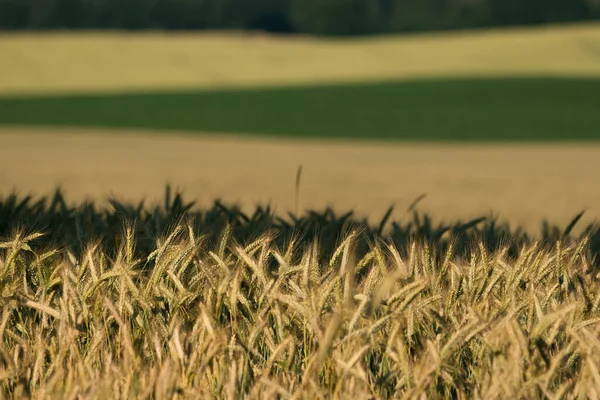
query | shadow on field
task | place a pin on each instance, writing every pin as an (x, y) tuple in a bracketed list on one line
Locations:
[(77, 227)]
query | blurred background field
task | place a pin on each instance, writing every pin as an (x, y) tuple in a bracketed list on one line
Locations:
[(205, 91), (482, 110), (308, 93), (524, 184), (100, 61)]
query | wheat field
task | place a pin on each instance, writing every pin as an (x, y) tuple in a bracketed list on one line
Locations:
[(105, 62), (161, 309), (102, 296)]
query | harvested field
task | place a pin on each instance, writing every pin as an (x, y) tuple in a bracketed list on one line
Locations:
[(523, 183), (97, 62)]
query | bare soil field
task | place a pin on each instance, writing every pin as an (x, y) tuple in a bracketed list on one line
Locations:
[(523, 184), (105, 62)]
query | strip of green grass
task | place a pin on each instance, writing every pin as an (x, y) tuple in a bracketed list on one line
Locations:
[(461, 109)]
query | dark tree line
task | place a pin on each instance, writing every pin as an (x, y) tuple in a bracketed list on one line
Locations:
[(320, 17)]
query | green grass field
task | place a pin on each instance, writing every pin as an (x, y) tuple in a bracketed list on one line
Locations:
[(459, 109)]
